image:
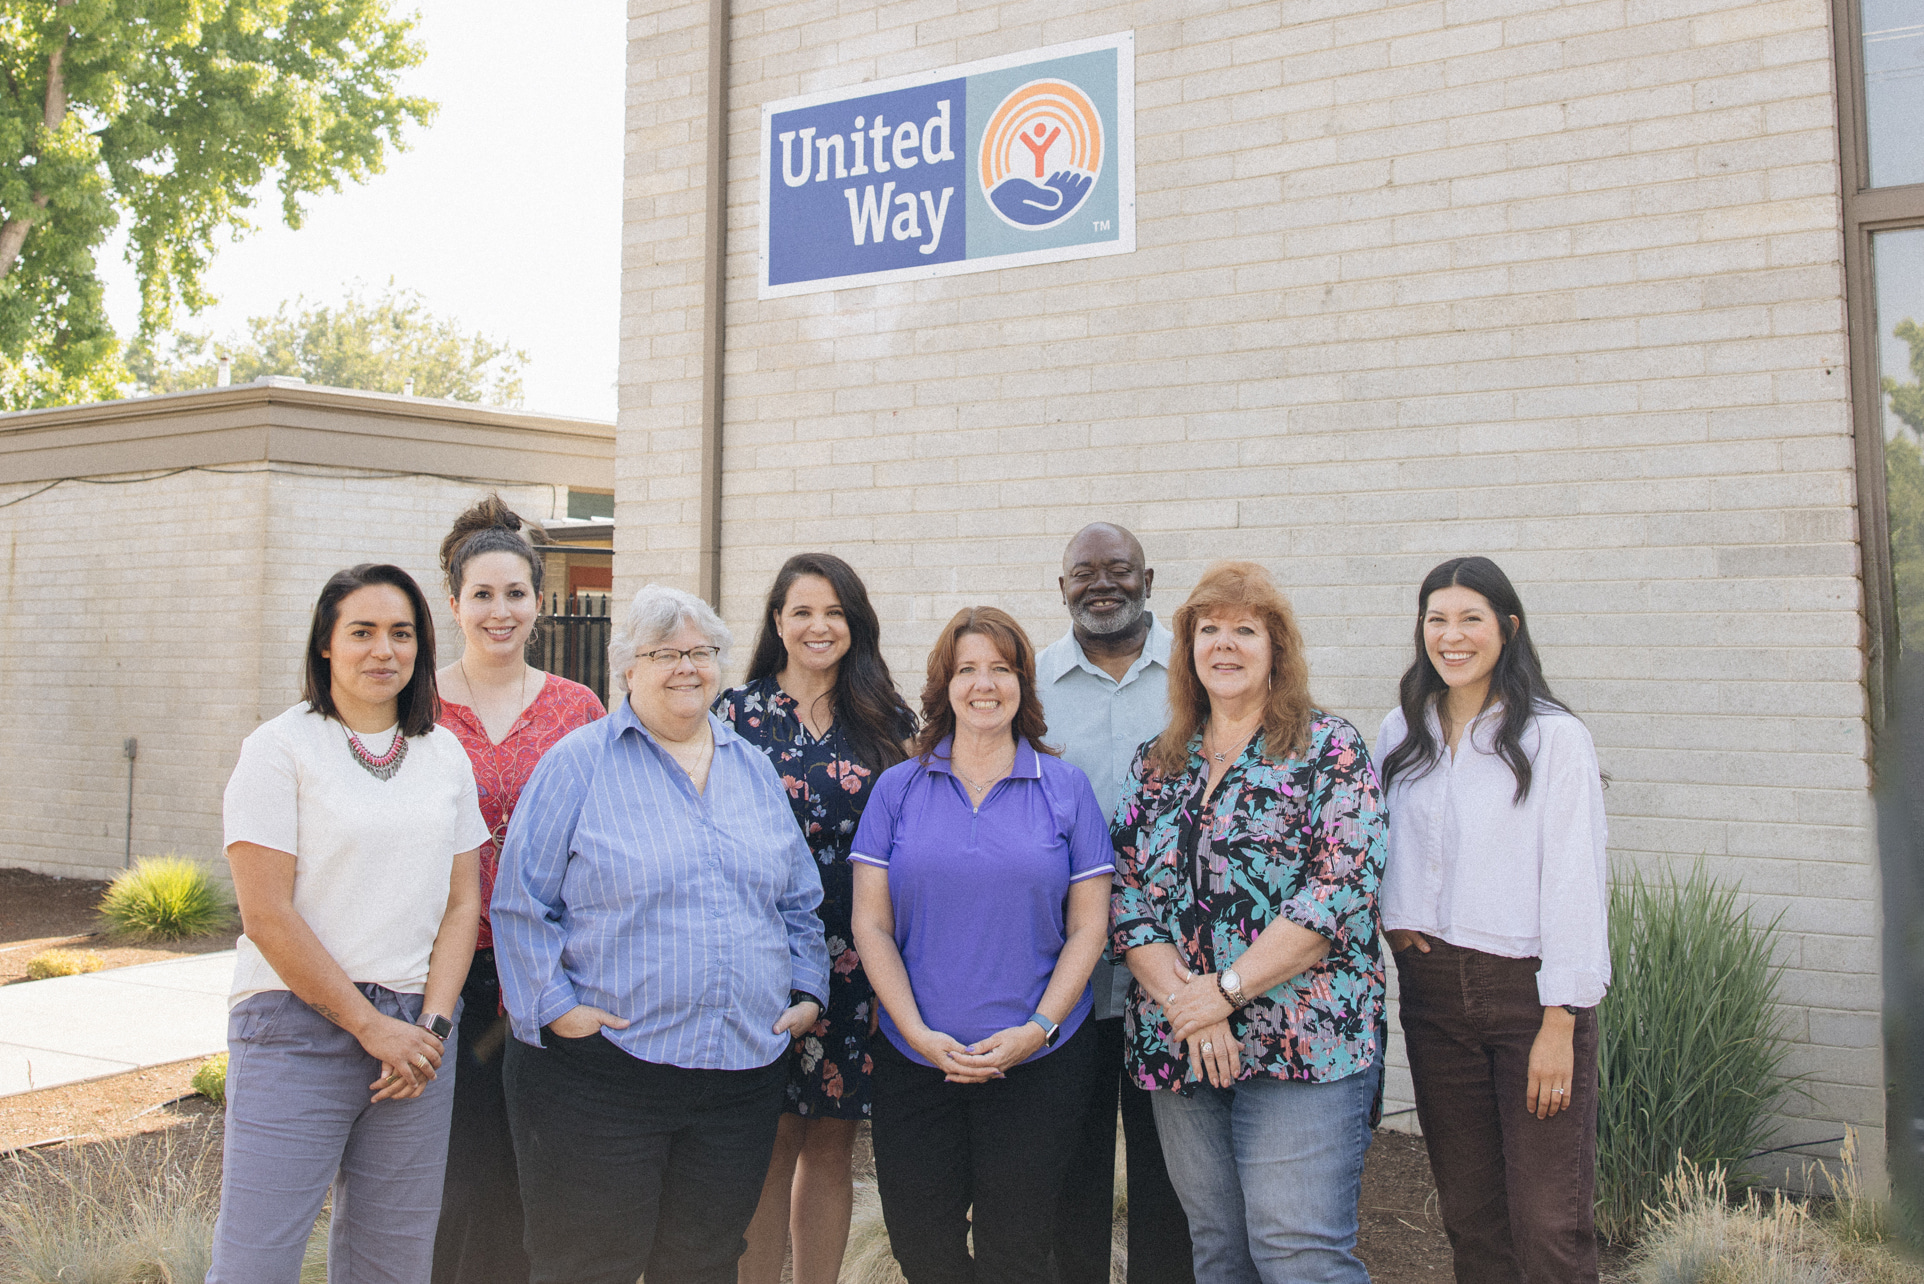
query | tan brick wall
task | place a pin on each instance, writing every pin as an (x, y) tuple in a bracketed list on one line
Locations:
[(1556, 282), (175, 610)]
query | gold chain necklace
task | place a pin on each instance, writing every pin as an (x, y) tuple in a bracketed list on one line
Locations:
[(462, 663)]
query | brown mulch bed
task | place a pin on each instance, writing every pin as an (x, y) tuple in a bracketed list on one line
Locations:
[(39, 912), (102, 1109)]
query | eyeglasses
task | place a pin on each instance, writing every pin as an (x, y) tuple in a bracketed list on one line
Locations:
[(668, 657)]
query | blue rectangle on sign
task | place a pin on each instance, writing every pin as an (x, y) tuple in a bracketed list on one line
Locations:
[(1023, 159), (868, 184)]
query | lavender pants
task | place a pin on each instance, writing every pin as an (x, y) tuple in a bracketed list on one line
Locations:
[(299, 1121)]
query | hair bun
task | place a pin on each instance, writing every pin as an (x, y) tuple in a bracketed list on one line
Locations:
[(489, 513)]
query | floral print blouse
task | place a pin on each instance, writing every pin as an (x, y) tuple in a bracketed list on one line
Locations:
[(1301, 839)]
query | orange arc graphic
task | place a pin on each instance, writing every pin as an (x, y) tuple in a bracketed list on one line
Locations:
[(1053, 102)]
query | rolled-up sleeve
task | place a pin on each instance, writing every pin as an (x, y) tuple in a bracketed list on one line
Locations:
[(1348, 839), (1132, 905), (527, 909), (1573, 885)]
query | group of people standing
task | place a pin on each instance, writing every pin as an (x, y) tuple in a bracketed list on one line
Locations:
[(550, 993)]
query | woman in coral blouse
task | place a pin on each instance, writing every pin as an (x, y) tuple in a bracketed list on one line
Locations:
[(506, 714)]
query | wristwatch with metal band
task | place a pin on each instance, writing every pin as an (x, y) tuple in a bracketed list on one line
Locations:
[(437, 1025)]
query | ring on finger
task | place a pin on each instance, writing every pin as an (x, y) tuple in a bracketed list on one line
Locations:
[(421, 1059), (1208, 1046)]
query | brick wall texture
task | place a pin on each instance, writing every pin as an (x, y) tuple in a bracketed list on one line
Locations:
[(176, 610), (1559, 283)]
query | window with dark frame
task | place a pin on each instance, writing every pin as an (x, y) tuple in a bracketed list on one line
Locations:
[(1880, 82)]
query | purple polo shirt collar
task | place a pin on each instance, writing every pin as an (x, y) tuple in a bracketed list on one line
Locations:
[(1028, 763)]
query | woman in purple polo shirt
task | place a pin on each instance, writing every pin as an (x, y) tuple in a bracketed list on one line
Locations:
[(982, 874)]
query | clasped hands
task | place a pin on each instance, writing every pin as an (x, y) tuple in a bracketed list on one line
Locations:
[(983, 1060), (1199, 1016)]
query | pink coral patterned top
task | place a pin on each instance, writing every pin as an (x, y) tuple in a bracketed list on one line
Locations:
[(500, 770)]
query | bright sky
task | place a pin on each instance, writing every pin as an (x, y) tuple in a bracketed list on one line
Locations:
[(504, 214)]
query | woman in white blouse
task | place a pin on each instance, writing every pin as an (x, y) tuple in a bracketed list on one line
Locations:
[(1494, 903), (352, 828)]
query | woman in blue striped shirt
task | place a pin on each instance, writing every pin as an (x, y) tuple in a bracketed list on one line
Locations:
[(656, 932)]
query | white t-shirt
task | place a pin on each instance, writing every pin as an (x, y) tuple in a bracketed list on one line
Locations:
[(372, 857)]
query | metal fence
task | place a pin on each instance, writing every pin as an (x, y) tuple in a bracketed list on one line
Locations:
[(571, 639)]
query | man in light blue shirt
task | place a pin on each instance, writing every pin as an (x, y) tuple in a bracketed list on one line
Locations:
[(1104, 689)]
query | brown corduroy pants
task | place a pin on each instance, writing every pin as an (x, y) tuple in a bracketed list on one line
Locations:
[(1517, 1192)]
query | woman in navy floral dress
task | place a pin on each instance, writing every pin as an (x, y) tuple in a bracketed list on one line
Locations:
[(820, 703), (1249, 845)]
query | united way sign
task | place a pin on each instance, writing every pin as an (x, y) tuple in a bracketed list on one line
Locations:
[(1029, 158)]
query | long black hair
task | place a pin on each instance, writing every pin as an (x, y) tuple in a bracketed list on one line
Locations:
[(419, 703), (1517, 680), (867, 705)]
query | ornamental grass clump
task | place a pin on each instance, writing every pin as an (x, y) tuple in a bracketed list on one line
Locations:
[(1691, 1045), (1700, 1235), (51, 963), (166, 898), (138, 1210)]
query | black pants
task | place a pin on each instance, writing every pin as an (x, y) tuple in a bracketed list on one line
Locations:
[(1158, 1230), (1517, 1192), (1000, 1147), (630, 1167), (479, 1237)]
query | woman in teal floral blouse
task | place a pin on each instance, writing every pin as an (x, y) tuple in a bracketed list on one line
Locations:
[(820, 703), (1250, 841)]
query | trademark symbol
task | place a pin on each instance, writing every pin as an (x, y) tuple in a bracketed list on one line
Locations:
[(1102, 225)]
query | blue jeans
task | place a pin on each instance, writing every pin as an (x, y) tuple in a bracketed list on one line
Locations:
[(1269, 1172)]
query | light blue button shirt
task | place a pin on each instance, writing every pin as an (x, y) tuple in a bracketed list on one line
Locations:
[(692, 915), (1099, 723)]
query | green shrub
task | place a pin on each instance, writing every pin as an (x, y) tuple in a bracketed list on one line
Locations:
[(49, 963), (1691, 1041), (166, 898), (210, 1081)]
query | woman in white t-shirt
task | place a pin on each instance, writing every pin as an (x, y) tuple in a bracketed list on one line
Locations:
[(1494, 903), (352, 830)]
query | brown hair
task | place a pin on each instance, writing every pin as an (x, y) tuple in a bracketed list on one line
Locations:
[(997, 625), (419, 703), (490, 526), (1236, 588)]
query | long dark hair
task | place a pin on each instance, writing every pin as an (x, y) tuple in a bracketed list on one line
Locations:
[(419, 703), (997, 625), (867, 705), (1517, 680)]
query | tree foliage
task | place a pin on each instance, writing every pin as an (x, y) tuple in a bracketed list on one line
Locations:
[(169, 114), (1904, 489), (376, 345)]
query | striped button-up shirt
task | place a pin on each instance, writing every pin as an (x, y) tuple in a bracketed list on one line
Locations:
[(691, 915)]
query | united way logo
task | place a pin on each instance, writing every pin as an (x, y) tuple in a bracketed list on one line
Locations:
[(1041, 154)]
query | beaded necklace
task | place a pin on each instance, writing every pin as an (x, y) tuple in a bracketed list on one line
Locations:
[(384, 766)]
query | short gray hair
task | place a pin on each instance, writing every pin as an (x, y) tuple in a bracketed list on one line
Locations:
[(656, 612)]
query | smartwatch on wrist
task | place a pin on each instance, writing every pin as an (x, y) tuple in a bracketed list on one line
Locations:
[(1049, 1029), (803, 996), (437, 1025)]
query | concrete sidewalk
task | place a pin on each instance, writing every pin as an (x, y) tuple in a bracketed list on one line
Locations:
[(70, 1028)]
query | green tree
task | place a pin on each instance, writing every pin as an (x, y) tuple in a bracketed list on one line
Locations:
[(1904, 488), (377, 345), (171, 114)]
